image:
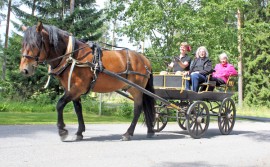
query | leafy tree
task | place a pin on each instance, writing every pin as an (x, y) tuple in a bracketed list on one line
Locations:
[(167, 23), (211, 23), (256, 53), (84, 22)]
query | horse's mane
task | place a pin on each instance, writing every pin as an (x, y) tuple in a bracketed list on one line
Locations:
[(33, 39)]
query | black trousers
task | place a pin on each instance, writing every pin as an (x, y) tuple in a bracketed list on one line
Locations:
[(219, 82)]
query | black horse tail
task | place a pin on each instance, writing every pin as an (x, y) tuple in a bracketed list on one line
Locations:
[(149, 103)]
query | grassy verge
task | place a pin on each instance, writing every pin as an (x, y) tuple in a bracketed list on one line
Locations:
[(252, 111), (16, 118), (114, 110)]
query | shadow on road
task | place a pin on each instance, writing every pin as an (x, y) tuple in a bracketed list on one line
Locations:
[(259, 136), (136, 137), (29, 130), (186, 164)]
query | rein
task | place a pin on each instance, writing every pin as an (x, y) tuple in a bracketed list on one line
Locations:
[(60, 57)]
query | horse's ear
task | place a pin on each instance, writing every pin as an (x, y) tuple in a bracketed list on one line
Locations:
[(24, 28), (39, 26)]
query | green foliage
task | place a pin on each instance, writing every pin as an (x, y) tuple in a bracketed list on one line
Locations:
[(212, 23), (167, 23), (85, 22), (18, 86), (125, 110), (256, 54), (13, 118)]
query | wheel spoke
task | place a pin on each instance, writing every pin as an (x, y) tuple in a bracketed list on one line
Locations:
[(194, 127), (197, 131), (226, 123), (223, 123), (222, 120), (229, 125), (199, 109), (157, 124), (201, 127), (231, 121)]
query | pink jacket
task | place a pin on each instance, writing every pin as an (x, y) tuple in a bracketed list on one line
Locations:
[(224, 72)]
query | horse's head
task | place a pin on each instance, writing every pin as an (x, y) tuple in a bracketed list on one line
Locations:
[(41, 43), (33, 49)]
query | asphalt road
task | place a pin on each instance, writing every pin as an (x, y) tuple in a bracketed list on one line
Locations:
[(39, 145)]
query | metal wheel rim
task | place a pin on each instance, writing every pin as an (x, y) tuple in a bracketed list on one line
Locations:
[(197, 119), (226, 118), (161, 118), (181, 120)]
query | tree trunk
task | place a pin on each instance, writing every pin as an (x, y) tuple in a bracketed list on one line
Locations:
[(33, 7), (113, 35), (6, 43), (72, 3), (240, 63)]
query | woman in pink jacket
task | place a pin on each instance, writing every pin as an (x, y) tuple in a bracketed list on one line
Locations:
[(223, 70)]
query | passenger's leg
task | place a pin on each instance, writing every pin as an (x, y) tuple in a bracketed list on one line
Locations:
[(188, 83), (196, 79), (218, 81)]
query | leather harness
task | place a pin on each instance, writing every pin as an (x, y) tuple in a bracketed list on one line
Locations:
[(96, 65)]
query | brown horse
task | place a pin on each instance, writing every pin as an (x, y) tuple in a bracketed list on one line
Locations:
[(45, 43)]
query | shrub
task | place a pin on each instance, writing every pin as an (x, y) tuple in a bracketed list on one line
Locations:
[(125, 109)]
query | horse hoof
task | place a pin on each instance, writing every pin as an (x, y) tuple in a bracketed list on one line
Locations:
[(125, 138), (78, 137), (63, 133), (150, 135)]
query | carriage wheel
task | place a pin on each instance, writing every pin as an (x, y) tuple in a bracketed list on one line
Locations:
[(181, 118), (161, 118), (226, 118), (197, 119)]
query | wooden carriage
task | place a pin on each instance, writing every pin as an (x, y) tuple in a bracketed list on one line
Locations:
[(194, 108)]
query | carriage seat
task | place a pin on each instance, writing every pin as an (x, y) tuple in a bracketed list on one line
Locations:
[(224, 87), (230, 83), (166, 79), (205, 86)]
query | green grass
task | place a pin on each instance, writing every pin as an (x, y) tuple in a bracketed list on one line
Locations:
[(114, 110), (252, 111), (17, 118)]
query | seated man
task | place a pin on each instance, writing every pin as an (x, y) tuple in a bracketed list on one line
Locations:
[(223, 71), (181, 63), (200, 67)]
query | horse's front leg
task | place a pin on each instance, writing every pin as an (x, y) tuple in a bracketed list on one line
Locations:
[(63, 133), (78, 108), (137, 113)]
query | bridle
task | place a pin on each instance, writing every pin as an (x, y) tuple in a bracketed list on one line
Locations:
[(37, 57)]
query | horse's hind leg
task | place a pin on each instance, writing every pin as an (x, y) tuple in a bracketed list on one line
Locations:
[(63, 133), (78, 108)]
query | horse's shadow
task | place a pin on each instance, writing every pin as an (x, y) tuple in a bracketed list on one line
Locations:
[(176, 135), (211, 133), (136, 137)]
